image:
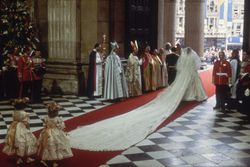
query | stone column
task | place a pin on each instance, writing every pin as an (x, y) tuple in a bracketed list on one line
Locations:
[(246, 35), (194, 25), (89, 27), (63, 64), (160, 42), (41, 21), (89, 35), (117, 23), (169, 21), (103, 20)]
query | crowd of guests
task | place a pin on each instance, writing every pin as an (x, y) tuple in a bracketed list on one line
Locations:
[(22, 74), (232, 80), (146, 70), (211, 55)]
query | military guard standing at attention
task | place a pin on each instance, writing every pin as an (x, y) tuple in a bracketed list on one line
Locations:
[(24, 70), (222, 74)]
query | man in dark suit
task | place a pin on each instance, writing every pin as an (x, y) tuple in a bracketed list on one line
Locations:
[(92, 71), (171, 60)]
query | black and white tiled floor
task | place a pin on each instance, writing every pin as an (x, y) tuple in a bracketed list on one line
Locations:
[(72, 106), (200, 138)]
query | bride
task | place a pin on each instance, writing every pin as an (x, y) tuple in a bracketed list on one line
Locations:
[(123, 131), (195, 90)]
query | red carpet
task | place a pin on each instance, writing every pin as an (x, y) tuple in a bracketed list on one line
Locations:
[(94, 159)]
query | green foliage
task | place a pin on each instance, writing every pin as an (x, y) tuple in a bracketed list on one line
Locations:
[(16, 29)]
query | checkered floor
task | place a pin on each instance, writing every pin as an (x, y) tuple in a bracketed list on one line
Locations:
[(201, 137), (72, 106)]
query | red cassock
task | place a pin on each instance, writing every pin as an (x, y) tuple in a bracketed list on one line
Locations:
[(24, 68), (222, 72)]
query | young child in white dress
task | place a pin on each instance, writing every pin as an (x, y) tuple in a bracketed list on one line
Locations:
[(20, 140), (53, 144)]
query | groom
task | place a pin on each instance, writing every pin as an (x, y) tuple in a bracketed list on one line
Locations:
[(171, 60)]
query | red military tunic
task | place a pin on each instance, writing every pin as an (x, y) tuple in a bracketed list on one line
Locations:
[(24, 69), (222, 72)]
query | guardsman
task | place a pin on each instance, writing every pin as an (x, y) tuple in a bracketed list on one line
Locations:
[(222, 74), (24, 70)]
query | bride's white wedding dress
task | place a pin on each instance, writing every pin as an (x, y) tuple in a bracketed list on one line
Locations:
[(121, 132)]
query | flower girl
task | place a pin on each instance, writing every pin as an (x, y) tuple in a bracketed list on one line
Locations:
[(53, 144), (20, 140)]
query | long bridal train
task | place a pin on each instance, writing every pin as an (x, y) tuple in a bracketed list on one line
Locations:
[(121, 132)]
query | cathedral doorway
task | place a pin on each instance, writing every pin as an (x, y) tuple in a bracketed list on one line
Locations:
[(141, 23)]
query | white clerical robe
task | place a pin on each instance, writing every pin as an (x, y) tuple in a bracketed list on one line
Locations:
[(98, 87), (234, 66), (115, 85)]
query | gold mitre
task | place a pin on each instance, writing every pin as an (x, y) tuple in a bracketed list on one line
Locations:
[(134, 45)]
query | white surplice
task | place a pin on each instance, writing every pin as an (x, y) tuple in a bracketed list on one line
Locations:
[(98, 87), (234, 66), (123, 131)]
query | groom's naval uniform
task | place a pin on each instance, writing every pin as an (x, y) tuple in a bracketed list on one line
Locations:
[(171, 60)]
